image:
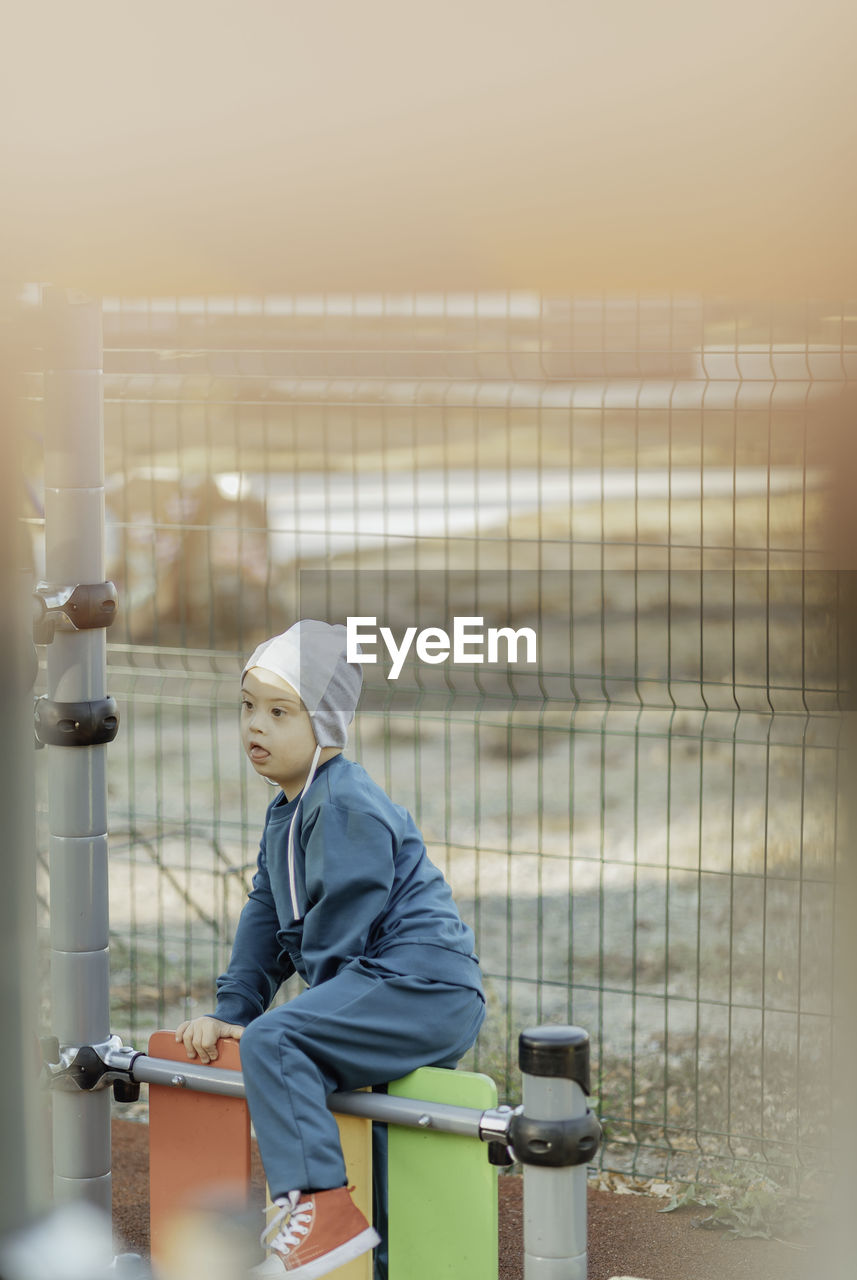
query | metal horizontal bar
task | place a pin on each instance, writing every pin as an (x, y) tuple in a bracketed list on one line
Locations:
[(190, 1075), (407, 1112), (410, 1113)]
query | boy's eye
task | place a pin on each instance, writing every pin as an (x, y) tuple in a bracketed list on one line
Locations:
[(246, 704), (277, 711)]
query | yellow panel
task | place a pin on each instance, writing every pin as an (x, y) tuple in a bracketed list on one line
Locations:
[(356, 1138)]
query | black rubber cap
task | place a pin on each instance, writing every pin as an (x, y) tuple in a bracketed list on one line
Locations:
[(555, 1051)]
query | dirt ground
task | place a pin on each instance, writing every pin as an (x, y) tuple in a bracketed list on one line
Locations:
[(628, 1236)]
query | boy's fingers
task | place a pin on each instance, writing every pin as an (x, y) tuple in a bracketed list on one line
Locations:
[(200, 1046), (201, 1035), (190, 1037), (187, 1036), (206, 1041)]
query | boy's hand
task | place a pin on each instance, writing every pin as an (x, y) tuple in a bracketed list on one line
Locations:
[(201, 1035)]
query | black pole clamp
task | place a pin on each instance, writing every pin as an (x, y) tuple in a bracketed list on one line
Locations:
[(88, 1067), (559, 1053), (79, 608), (557, 1143), (76, 724)]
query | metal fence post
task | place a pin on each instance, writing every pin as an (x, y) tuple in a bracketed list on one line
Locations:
[(23, 1194), (554, 1062), (74, 554)]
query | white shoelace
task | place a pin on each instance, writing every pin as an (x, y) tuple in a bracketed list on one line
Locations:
[(290, 1221)]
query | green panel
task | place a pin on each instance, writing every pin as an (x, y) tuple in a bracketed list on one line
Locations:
[(443, 1191)]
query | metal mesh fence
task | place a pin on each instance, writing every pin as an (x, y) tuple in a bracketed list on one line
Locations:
[(644, 830)]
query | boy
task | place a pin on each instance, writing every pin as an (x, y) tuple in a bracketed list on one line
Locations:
[(345, 895)]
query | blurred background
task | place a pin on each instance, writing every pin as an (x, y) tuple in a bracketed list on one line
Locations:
[(201, 148), (553, 313)]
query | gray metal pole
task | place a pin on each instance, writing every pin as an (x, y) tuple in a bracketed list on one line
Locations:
[(554, 1065), (23, 1193), (74, 554)]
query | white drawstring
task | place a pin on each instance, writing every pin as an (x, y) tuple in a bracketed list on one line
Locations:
[(291, 859), (291, 1217)]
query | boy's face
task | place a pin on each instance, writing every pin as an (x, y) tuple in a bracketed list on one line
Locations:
[(276, 731)]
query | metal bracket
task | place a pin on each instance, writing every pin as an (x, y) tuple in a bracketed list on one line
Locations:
[(76, 724), (494, 1129), (83, 607), (557, 1143), (89, 1067), (494, 1124)]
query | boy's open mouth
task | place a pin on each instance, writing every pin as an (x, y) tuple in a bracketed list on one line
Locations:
[(258, 753)]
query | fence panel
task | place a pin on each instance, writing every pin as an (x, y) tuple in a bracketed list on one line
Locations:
[(642, 828)]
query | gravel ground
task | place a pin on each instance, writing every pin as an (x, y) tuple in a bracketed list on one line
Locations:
[(628, 1236)]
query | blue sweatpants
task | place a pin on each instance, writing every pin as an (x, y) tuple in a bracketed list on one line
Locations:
[(366, 1026)]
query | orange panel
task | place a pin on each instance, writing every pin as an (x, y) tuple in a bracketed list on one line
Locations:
[(199, 1143)]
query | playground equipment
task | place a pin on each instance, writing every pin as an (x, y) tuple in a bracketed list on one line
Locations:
[(552, 1134), (199, 1146)]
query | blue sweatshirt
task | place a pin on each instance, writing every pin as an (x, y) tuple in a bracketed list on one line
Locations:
[(365, 887)]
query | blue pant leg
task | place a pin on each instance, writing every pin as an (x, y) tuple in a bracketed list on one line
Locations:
[(286, 1092), (360, 1028)]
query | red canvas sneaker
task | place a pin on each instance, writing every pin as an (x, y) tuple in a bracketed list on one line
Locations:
[(309, 1235)]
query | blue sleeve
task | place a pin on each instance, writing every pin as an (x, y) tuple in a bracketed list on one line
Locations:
[(349, 876), (258, 966)]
